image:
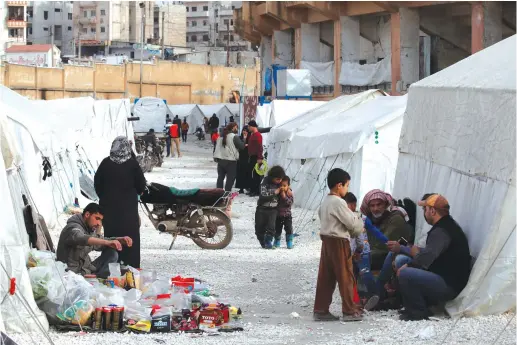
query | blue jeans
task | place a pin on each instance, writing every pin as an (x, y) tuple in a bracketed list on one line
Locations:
[(420, 289), (365, 274), (168, 142), (387, 270)]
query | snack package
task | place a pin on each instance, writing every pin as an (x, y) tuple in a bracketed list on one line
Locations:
[(161, 319), (133, 278), (139, 326)]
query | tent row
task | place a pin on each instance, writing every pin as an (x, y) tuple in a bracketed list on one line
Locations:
[(49, 149), (152, 112), (454, 134)]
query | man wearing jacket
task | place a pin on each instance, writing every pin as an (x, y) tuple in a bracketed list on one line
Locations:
[(79, 237), (441, 270), (255, 152)]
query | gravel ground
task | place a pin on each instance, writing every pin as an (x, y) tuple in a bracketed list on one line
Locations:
[(270, 285)]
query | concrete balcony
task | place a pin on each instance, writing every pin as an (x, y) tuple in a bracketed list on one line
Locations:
[(88, 20), (87, 4), (201, 14), (225, 12), (195, 29), (14, 23), (17, 3), (16, 40)]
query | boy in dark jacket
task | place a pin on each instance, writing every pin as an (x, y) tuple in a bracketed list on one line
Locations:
[(265, 215), (284, 218)]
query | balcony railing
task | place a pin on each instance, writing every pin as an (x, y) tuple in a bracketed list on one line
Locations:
[(198, 14), (88, 20), (17, 39), (17, 3), (192, 29), (16, 23)]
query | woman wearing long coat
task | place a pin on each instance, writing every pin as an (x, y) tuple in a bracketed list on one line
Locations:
[(118, 182), (243, 174)]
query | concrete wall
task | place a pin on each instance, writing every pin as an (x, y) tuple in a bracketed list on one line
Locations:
[(3, 27), (267, 59), (175, 24), (176, 82), (61, 18), (326, 34)]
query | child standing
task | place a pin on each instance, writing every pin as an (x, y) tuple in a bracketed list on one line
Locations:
[(284, 218), (361, 258), (338, 223), (267, 207)]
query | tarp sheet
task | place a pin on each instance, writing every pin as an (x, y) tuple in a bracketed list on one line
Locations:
[(355, 74), (458, 139), (322, 73)]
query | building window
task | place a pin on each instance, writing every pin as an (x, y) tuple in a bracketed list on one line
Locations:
[(103, 12), (30, 30), (226, 22), (85, 13), (194, 38), (231, 22), (231, 38), (233, 7), (45, 15), (194, 23), (194, 9), (225, 37), (205, 38), (188, 24), (216, 12), (45, 29), (205, 22), (92, 13), (216, 27), (93, 30), (362, 62), (205, 8), (187, 9), (103, 29), (57, 10), (85, 30), (69, 16), (69, 28), (188, 39)]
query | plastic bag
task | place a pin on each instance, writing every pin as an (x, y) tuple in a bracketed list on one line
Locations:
[(147, 279), (136, 311), (159, 287), (40, 258), (46, 282), (114, 269), (76, 307), (104, 296)]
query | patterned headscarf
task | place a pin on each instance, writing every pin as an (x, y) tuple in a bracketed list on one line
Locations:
[(120, 150), (377, 194)]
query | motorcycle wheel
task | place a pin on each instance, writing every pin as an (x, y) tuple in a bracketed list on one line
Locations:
[(220, 228)]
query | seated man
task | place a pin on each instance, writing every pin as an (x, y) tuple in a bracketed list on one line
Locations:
[(441, 270), (79, 238), (391, 220)]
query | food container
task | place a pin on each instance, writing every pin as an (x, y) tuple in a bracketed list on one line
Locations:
[(91, 278)]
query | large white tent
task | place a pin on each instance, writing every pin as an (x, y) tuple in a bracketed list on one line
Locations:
[(220, 110), (362, 140), (152, 112), (458, 139), (191, 112)]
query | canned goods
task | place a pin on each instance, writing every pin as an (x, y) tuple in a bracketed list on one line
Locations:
[(97, 319), (106, 318), (118, 318)]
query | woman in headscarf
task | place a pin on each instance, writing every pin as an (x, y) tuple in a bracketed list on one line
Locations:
[(118, 182), (243, 174)]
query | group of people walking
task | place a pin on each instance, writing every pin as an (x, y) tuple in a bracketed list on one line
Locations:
[(239, 158), (174, 130)]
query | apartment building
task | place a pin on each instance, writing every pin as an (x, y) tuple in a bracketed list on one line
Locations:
[(51, 20), (16, 22)]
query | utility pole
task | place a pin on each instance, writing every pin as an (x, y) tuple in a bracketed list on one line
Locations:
[(228, 44), (163, 35), (79, 39), (52, 44), (142, 8)]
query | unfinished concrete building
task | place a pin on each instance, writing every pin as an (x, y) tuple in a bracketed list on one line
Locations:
[(351, 46)]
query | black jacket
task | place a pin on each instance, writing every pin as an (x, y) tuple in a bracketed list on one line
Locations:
[(213, 123), (453, 264)]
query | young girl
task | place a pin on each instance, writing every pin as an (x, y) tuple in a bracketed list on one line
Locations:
[(284, 218)]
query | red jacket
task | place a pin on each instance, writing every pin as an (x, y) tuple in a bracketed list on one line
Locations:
[(174, 131), (255, 145)]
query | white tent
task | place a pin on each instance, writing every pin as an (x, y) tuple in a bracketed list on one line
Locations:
[(194, 115), (233, 108), (347, 140), (458, 139), (220, 110), (19, 312), (152, 112), (280, 136)]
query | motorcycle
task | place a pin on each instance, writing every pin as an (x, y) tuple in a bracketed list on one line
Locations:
[(149, 155), (203, 215), (200, 134)]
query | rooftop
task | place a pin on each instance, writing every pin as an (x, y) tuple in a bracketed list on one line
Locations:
[(34, 48)]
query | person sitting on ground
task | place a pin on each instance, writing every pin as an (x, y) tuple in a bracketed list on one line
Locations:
[(381, 212), (79, 237), (360, 247), (284, 218), (337, 224), (441, 270), (267, 204)]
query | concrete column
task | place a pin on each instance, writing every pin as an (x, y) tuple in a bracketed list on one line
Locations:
[(310, 39), (350, 39), (405, 55), (487, 26), (283, 53), (337, 57), (266, 55), (297, 47)]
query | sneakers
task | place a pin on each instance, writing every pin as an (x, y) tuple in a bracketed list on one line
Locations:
[(324, 317), (277, 243), (289, 240), (268, 242)]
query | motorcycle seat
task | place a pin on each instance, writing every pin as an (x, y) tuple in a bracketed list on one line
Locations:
[(183, 192)]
